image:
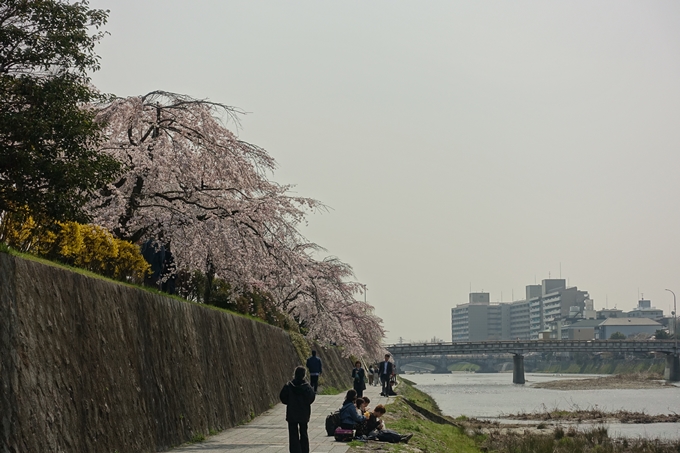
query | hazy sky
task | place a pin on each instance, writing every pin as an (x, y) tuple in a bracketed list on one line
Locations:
[(459, 144)]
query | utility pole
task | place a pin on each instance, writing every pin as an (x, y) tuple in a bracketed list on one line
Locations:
[(675, 323)]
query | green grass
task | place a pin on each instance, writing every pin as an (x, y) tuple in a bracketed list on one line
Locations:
[(197, 438), (5, 249), (407, 389), (428, 436), (329, 391)]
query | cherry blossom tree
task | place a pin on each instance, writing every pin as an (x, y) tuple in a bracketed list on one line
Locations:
[(195, 187)]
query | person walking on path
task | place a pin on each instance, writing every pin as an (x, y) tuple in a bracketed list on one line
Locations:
[(370, 375), (298, 397), (386, 369), (314, 366), (359, 376)]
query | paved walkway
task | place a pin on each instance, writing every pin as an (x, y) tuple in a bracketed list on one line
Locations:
[(268, 433)]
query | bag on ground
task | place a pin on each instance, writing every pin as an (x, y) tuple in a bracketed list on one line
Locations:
[(343, 435), (332, 422)]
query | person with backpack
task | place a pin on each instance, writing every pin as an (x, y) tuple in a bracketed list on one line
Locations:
[(298, 397), (349, 415)]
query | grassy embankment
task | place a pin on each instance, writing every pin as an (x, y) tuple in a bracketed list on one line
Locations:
[(472, 436), (428, 436), (87, 273)]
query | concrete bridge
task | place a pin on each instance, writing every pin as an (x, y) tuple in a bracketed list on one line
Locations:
[(487, 363), (518, 348)]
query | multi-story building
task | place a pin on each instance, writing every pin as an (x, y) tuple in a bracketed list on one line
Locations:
[(549, 310), (519, 320), (645, 310), (480, 320), (472, 321), (557, 303)]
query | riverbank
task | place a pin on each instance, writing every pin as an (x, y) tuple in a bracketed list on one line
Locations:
[(590, 365), (618, 381), (599, 365), (470, 435), (442, 436)]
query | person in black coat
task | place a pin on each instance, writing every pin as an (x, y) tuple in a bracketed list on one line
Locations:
[(298, 397), (385, 369), (359, 376)]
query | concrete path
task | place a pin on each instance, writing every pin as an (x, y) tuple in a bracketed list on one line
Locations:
[(268, 433)]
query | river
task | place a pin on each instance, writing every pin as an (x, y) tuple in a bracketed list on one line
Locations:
[(491, 395)]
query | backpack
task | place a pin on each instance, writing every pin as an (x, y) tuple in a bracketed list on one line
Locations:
[(332, 422), (343, 435)]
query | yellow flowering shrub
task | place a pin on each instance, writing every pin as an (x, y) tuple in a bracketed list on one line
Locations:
[(16, 230), (89, 247)]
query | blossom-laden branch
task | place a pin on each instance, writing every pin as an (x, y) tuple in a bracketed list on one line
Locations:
[(195, 186)]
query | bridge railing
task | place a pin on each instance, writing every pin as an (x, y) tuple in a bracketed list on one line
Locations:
[(519, 347)]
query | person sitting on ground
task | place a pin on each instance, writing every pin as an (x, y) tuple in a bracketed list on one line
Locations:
[(392, 383), (349, 415), (374, 428), (372, 422), (360, 403), (367, 400)]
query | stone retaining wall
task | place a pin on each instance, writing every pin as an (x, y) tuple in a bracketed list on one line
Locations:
[(88, 365)]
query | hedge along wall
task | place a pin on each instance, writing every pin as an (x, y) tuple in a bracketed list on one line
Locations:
[(89, 365)]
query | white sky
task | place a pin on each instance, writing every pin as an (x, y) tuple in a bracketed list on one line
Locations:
[(459, 144)]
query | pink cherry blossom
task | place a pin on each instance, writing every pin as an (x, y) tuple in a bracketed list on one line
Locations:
[(192, 184)]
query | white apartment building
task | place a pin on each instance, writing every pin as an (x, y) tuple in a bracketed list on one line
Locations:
[(481, 320)]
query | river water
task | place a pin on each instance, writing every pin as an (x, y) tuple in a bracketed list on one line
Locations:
[(491, 395)]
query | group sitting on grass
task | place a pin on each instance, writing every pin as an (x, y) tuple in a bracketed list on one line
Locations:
[(355, 417)]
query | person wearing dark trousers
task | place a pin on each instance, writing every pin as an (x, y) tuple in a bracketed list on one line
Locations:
[(386, 368), (298, 397), (314, 366), (359, 376)]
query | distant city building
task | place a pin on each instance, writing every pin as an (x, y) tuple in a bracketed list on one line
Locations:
[(583, 329), (477, 320), (550, 311), (544, 304), (645, 310), (627, 326), (610, 313)]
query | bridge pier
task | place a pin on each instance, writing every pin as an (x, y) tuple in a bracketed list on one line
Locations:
[(518, 369), (672, 371)]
